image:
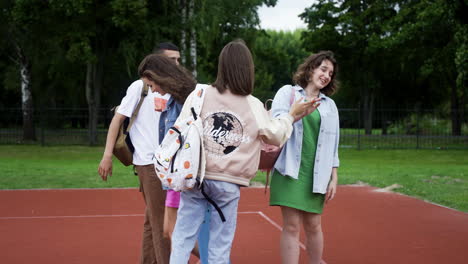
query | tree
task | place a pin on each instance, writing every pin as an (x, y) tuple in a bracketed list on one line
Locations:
[(20, 26), (92, 34), (354, 30), (188, 40), (437, 30), (219, 22), (397, 53), (84, 53), (277, 56)]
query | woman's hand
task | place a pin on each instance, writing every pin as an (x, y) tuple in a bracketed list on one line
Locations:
[(105, 168), (331, 190), (300, 109)]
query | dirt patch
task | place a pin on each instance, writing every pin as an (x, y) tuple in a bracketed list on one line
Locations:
[(359, 183), (389, 188)]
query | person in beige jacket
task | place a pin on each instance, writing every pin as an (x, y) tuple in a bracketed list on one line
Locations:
[(234, 124)]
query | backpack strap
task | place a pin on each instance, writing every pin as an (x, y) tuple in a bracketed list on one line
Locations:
[(197, 104), (144, 93), (213, 203), (196, 107)]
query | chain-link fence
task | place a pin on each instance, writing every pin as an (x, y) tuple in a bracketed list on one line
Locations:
[(400, 129), (385, 128), (54, 126)]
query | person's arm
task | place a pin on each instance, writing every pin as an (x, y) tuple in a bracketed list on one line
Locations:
[(331, 190), (126, 108), (277, 130), (105, 166), (336, 159)]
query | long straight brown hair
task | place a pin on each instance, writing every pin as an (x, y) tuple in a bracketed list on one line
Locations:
[(235, 69), (173, 79)]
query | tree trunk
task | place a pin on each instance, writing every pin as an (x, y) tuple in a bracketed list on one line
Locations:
[(368, 109), (26, 95), (193, 39), (93, 89), (455, 112), (183, 35), (461, 61), (188, 39)]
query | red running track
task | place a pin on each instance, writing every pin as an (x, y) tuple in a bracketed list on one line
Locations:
[(104, 226)]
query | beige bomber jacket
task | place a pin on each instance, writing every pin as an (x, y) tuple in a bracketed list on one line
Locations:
[(233, 128)]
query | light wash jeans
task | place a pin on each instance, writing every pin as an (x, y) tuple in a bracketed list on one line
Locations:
[(191, 214)]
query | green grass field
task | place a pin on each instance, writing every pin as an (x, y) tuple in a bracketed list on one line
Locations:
[(439, 176)]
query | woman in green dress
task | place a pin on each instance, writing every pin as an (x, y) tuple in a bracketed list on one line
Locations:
[(305, 175)]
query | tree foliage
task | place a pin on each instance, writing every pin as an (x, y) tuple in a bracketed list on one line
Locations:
[(84, 53), (395, 53), (277, 55)]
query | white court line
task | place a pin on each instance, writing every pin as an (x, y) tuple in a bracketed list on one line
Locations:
[(71, 189), (84, 216), (66, 216), (269, 220)]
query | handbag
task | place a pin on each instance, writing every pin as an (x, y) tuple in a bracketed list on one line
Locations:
[(270, 153), (123, 147)]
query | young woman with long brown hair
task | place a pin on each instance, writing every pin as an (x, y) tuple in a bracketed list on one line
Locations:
[(234, 124)]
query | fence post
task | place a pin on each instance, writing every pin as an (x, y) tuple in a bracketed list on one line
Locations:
[(42, 124), (418, 113), (42, 137), (359, 128)]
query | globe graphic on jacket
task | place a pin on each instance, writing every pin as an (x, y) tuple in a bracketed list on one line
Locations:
[(222, 132)]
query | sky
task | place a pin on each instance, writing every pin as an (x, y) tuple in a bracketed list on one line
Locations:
[(284, 16)]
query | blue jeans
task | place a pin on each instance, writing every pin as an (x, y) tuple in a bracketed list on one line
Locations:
[(191, 214)]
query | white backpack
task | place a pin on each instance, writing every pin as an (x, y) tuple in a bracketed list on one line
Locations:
[(180, 157)]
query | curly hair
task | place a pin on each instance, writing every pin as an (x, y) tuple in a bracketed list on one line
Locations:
[(302, 75), (173, 79)]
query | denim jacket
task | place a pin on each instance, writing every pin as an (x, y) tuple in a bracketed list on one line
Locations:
[(326, 157), (168, 117)]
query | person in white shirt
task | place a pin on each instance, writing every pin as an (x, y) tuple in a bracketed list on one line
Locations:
[(165, 77)]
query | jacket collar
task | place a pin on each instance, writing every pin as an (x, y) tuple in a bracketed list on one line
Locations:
[(170, 103), (302, 91)]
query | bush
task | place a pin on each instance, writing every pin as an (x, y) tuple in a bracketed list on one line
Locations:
[(426, 124)]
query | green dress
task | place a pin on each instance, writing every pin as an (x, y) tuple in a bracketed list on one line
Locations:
[(286, 191)]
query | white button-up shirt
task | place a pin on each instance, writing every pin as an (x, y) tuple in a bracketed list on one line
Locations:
[(326, 156)]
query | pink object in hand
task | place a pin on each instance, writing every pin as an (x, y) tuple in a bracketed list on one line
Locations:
[(159, 104)]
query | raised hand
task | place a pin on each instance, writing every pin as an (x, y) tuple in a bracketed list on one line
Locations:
[(301, 108)]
